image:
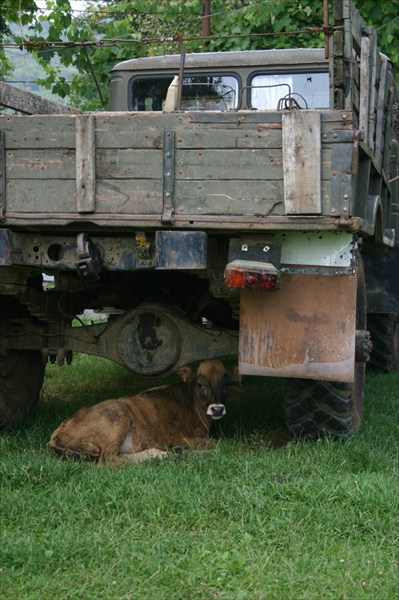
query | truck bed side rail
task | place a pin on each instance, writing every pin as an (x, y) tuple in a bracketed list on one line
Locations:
[(29, 103), (363, 81)]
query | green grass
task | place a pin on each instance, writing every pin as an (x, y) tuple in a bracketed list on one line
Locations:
[(258, 518)]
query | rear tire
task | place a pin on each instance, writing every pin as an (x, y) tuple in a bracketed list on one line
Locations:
[(316, 409), (21, 371), (384, 331)]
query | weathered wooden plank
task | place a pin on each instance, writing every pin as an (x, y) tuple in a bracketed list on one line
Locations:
[(260, 137), (250, 198), (109, 134), (40, 164), (338, 6), (197, 120), (30, 103), (129, 163), (41, 196), (60, 164), (52, 197), (57, 131), (48, 199), (39, 132), (142, 196), (302, 162), (216, 164), (380, 117), (126, 222), (229, 164), (356, 27), (129, 133), (375, 65), (130, 130), (390, 149), (256, 197), (365, 88), (212, 119), (85, 164), (2, 176), (49, 136), (342, 54)]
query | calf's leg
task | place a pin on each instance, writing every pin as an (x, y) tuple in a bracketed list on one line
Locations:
[(196, 444), (137, 457)]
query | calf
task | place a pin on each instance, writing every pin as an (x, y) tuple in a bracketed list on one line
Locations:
[(143, 426)]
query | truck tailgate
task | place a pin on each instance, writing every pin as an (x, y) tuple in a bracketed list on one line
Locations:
[(148, 169)]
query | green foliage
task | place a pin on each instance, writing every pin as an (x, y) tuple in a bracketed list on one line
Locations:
[(384, 16), (258, 518), (139, 28), (9, 13), (133, 21)]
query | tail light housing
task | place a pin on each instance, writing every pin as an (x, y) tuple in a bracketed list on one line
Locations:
[(253, 275)]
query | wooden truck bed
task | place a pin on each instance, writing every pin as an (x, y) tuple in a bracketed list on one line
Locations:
[(216, 170)]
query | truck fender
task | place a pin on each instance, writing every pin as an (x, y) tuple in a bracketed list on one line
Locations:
[(374, 217)]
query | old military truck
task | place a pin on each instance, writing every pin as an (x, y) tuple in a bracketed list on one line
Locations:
[(228, 203)]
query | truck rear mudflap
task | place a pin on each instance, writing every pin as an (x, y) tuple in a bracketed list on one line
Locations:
[(305, 329)]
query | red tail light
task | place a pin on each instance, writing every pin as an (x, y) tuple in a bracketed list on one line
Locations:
[(252, 275)]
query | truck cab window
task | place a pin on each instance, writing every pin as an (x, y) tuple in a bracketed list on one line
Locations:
[(200, 92), (310, 90)]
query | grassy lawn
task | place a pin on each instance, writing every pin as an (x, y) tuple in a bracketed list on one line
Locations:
[(260, 517)]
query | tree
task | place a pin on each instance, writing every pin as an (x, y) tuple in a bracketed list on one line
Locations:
[(385, 18), (10, 13), (146, 27), (122, 29)]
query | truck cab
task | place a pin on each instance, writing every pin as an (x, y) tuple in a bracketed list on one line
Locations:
[(254, 80)]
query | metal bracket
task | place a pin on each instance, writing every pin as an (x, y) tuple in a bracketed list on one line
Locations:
[(168, 176), (363, 345), (88, 265)]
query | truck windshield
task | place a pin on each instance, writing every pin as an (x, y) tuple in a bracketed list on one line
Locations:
[(199, 92), (271, 91)]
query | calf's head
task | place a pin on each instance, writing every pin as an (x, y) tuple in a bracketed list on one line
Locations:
[(210, 383)]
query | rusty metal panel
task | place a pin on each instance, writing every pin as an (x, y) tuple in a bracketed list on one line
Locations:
[(302, 162), (306, 329), (180, 250)]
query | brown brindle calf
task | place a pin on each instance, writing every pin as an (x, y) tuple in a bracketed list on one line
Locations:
[(144, 426)]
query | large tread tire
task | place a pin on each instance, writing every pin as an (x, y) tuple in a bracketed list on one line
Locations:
[(317, 409), (384, 332), (21, 372)]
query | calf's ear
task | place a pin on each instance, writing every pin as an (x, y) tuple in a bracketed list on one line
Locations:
[(185, 373)]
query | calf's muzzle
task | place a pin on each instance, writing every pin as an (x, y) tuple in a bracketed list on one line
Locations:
[(216, 411)]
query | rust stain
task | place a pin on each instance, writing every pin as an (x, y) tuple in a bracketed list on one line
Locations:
[(313, 319)]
